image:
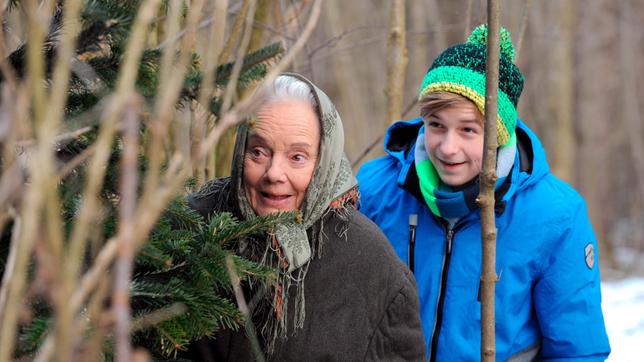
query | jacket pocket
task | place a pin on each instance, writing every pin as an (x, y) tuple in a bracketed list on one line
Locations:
[(531, 353)]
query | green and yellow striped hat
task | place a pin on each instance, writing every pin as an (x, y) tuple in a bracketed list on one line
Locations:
[(460, 69)]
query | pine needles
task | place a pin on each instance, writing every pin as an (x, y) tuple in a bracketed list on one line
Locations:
[(63, 220)]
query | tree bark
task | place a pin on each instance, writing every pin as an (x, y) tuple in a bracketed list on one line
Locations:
[(124, 264), (488, 181), (215, 47), (235, 33), (261, 19), (396, 62), (564, 152), (227, 142), (594, 108), (522, 29), (633, 118)]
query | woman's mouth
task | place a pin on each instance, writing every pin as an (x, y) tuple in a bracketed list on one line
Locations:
[(274, 199)]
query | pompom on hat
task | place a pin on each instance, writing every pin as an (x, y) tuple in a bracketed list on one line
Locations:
[(460, 69)]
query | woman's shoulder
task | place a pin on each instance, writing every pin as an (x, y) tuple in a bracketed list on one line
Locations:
[(362, 244), (364, 226), (214, 196)]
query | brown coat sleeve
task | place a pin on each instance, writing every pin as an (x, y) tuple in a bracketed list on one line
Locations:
[(398, 336)]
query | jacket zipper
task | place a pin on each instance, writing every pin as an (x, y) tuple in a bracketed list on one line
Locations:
[(441, 294), (411, 247)]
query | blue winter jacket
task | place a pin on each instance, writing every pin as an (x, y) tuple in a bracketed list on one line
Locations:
[(548, 301)]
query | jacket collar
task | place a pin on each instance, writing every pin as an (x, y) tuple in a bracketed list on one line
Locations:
[(400, 141)]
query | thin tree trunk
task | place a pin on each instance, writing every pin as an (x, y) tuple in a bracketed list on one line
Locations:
[(261, 18), (632, 116), (126, 251), (343, 69), (225, 146), (488, 181), (437, 20), (235, 32), (593, 85), (522, 29), (468, 19), (215, 47), (16, 279), (564, 152), (232, 116), (396, 62)]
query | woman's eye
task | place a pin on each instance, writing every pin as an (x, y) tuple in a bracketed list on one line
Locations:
[(298, 157), (256, 152), (433, 124)]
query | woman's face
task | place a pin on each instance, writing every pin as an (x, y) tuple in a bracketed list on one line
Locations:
[(280, 156)]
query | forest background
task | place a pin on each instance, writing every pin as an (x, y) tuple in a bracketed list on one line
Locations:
[(582, 61), (583, 65)]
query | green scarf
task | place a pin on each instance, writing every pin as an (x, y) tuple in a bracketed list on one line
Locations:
[(441, 199)]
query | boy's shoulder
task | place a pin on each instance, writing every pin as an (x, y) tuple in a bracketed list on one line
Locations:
[(553, 197), (379, 171)]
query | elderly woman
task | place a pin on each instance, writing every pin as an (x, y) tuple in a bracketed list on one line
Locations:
[(342, 293)]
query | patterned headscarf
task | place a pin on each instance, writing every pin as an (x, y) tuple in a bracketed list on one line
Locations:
[(289, 250)]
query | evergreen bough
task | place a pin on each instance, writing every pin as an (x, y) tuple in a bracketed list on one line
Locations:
[(183, 262)]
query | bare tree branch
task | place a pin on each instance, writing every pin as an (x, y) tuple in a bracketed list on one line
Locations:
[(243, 308), (124, 89), (378, 139), (468, 19), (35, 200), (396, 62), (215, 45), (231, 87), (522, 29), (127, 207), (487, 184), (235, 32), (333, 41), (630, 100), (232, 117)]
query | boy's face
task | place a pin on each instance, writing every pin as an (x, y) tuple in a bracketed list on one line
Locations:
[(454, 139)]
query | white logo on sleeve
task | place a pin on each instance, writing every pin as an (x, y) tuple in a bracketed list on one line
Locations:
[(589, 252)]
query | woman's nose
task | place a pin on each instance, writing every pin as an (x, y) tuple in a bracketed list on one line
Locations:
[(276, 171)]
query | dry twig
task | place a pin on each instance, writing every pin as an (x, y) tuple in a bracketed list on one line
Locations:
[(232, 117), (127, 206)]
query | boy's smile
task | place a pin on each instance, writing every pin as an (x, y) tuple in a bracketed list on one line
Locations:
[(454, 139)]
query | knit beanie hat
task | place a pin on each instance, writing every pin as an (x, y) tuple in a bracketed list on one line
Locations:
[(460, 69)]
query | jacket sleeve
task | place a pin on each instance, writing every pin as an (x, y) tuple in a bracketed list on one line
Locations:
[(366, 204), (567, 296), (398, 336)]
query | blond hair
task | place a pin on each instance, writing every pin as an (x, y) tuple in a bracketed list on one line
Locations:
[(437, 101)]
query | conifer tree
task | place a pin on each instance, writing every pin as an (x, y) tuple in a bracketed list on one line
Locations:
[(181, 269)]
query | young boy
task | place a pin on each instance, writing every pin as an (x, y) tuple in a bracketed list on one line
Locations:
[(422, 194)]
